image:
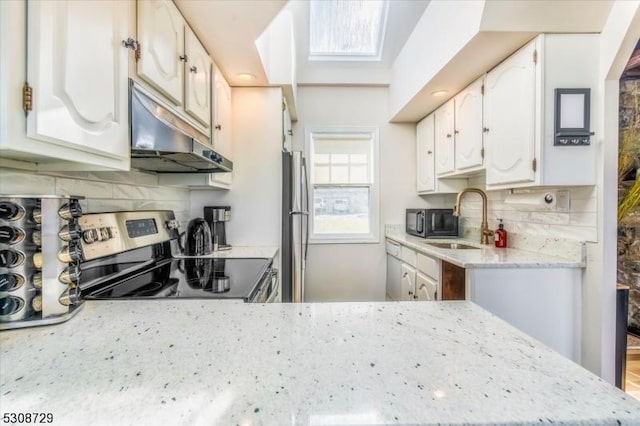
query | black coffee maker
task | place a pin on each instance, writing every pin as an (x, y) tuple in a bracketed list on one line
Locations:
[(217, 217)]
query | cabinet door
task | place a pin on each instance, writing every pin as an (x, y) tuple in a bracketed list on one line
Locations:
[(426, 288), (287, 136), (394, 276), (161, 37), (221, 124), (77, 67), (197, 87), (509, 118), (468, 133), (425, 171), (445, 141), (407, 283)]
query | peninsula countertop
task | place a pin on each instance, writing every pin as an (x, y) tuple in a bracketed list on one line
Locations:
[(198, 362), (487, 256)]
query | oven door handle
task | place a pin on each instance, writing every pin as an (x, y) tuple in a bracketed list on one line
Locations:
[(274, 279)]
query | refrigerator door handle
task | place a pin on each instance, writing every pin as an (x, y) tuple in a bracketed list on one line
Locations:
[(306, 207), (300, 213)]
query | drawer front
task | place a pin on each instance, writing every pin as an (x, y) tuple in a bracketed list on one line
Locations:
[(408, 256), (428, 266), (392, 248)]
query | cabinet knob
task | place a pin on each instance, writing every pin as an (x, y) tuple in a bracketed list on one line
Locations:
[(193, 69), (130, 44), (218, 127), (449, 135), (290, 132), (183, 58), (485, 129), (429, 152), (456, 131)]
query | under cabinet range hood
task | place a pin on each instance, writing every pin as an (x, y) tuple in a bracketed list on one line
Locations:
[(163, 142)]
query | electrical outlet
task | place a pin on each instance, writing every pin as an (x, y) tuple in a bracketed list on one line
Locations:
[(563, 201)]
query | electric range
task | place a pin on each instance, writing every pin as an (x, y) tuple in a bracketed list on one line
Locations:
[(136, 260)]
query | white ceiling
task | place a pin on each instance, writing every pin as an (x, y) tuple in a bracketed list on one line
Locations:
[(228, 29), (401, 19)]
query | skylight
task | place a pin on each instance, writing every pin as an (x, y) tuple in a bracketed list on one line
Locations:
[(346, 29)]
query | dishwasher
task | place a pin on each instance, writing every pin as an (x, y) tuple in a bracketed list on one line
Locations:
[(394, 273)]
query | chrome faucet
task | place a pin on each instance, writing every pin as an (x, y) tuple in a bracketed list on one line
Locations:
[(485, 232)]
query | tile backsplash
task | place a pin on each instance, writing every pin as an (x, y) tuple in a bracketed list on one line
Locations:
[(531, 227), (104, 191)]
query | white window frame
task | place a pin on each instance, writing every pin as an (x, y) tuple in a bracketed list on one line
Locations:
[(374, 188), (353, 56)]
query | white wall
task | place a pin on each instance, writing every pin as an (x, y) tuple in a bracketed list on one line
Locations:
[(255, 195), (341, 272), (104, 191), (617, 40)]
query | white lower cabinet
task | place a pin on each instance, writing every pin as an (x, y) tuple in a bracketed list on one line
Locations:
[(426, 288), (408, 282)]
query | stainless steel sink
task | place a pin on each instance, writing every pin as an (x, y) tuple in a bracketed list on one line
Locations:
[(453, 246)]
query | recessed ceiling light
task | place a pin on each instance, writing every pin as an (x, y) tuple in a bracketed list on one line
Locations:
[(439, 93), (246, 76)]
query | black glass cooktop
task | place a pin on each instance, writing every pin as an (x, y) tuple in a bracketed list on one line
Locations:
[(194, 278)]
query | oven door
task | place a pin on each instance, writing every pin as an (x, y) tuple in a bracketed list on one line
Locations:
[(267, 289)]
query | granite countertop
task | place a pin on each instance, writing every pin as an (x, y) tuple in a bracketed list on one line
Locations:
[(238, 252), (205, 362), (487, 257)]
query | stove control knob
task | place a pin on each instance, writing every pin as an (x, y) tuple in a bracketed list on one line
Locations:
[(70, 276), (173, 225), (90, 236), (10, 235), (70, 232), (70, 210), (10, 258), (10, 211), (70, 253), (69, 297), (10, 282), (105, 233)]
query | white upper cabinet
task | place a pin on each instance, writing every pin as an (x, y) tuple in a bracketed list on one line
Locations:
[(162, 48), (197, 88), (519, 114), (174, 62), (510, 119), (77, 68), (221, 124), (425, 155), (444, 138), (426, 180), (468, 125)]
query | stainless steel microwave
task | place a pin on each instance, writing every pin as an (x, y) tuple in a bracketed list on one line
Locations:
[(431, 223)]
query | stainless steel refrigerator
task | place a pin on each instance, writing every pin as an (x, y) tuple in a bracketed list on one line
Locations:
[(295, 225)]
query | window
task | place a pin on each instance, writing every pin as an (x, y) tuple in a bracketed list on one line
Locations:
[(346, 29), (343, 178)]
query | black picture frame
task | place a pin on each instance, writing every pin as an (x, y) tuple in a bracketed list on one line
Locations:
[(572, 136)]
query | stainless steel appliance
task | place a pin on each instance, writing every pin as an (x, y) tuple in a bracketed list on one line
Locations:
[(217, 218), (163, 142), (431, 223), (140, 260), (39, 257), (295, 225)]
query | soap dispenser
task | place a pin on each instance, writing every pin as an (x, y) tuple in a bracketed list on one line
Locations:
[(501, 236)]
